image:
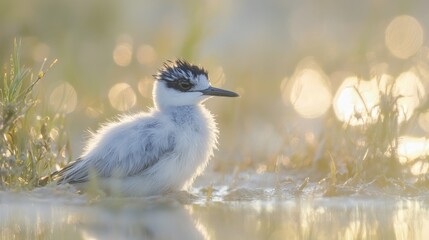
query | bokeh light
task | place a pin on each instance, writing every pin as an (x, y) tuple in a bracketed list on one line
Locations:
[(410, 91), (419, 168), (146, 54), (356, 101), (145, 87), (411, 148), (123, 52), (63, 98), (309, 94), (424, 121), (122, 97), (404, 36)]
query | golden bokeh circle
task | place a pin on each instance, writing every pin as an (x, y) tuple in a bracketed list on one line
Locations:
[(63, 98), (404, 36), (122, 97)]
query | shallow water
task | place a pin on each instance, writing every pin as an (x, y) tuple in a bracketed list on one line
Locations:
[(242, 213)]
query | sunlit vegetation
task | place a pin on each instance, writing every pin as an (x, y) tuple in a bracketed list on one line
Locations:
[(32, 143), (345, 115), (364, 138), (374, 131), (374, 120), (329, 139)]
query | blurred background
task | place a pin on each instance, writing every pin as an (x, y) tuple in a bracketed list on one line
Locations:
[(305, 70)]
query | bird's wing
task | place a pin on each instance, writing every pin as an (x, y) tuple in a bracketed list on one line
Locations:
[(132, 164), (80, 170), (72, 173)]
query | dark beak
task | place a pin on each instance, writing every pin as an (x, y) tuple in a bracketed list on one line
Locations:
[(212, 91)]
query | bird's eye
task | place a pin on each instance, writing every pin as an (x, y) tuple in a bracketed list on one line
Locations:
[(184, 84)]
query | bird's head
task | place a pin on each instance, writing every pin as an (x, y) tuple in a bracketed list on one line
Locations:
[(180, 83)]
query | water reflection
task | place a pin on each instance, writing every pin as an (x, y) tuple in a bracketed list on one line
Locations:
[(352, 217), (56, 217), (136, 219), (329, 218)]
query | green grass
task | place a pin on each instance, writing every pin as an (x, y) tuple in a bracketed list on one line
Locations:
[(31, 145)]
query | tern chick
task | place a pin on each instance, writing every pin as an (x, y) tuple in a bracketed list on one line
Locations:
[(156, 152)]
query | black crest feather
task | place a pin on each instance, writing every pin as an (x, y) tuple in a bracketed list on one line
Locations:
[(179, 69)]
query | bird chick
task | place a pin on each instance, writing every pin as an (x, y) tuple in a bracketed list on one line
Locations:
[(157, 152)]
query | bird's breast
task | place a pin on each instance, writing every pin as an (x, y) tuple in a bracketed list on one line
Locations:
[(195, 138), (195, 130)]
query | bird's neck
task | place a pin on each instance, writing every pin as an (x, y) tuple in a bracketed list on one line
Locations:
[(186, 114), (179, 108)]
